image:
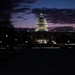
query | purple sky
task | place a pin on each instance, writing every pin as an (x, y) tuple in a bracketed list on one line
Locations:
[(57, 12)]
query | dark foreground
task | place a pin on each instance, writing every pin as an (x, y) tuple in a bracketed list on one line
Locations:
[(37, 62)]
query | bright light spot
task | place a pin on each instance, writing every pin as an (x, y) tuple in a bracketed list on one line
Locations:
[(7, 45), (45, 42), (0, 41), (68, 41), (15, 39), (54, 42), (42, 41), (6, 35), (26, 41)]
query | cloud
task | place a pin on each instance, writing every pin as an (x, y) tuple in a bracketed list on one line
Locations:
[(29, 12), (24, 1), (24, 19), (20, 17), (54, 15), (21, 5), (18, 10), (30, 1), (16, 3)]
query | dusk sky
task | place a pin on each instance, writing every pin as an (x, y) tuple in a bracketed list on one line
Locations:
[(57, 12)]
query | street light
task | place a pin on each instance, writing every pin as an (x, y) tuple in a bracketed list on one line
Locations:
[(6, 35)]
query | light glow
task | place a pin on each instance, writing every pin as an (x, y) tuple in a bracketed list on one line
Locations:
[(6, 35)]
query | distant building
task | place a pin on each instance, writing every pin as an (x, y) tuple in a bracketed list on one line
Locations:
[(62, 29), (41, 24)]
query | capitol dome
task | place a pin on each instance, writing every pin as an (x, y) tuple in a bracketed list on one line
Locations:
[(41, 24)]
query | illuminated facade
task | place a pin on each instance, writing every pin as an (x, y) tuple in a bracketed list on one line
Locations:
[(41, 24), (42, 41)]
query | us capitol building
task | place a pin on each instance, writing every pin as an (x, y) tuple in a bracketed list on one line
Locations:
[(41, 37), (41, 24)]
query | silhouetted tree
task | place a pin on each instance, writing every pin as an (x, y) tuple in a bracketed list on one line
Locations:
[(5, 9), (6, 27)]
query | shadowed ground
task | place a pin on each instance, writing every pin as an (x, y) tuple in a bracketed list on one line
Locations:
[(37, 62)]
